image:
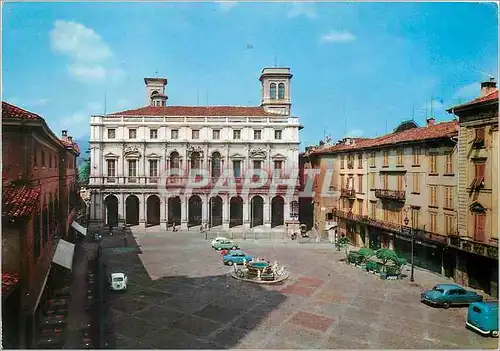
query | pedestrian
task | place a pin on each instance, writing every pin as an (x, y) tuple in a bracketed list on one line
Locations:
[(125, 240)]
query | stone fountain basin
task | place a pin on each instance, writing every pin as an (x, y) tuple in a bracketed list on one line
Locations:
[(280, 279)]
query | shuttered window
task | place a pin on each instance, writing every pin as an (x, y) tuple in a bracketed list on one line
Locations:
[(416, 183), (448, 201), (479, 226), (433, 195)]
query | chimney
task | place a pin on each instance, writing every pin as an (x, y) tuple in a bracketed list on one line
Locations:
[(64, 133), (70, 138), (430, 121), (488, 86)]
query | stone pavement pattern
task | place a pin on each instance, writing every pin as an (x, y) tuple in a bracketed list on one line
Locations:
[(181, 297)]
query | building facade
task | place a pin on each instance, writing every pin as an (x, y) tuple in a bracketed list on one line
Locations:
[(381, 181), (188, 165), (38, 201), (477, 242)]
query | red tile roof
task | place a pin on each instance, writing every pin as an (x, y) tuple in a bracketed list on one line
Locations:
[(9, 280), (71, 144), (436, 131), (493, 95), (19, 201), (197, 111), (11, 111)]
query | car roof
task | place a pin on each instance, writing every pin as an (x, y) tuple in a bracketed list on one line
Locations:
[(488, 305), (236, 251), (448, 286), (117, 275), (221, 238)]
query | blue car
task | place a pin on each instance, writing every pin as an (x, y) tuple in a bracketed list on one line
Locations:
[(236, 257), (483, 317), (445, 295)]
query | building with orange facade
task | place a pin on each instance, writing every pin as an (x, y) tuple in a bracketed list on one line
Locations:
[(38, 205)]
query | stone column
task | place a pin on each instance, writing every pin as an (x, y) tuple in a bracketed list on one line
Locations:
[(286, 211), (121, 209), (184, 212), (142, 210), (205, 207), (226, 211), (163, 212), (246, 212), (267, 212)]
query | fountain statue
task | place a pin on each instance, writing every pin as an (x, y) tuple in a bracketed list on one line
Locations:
[(258, 275), (262, 272)]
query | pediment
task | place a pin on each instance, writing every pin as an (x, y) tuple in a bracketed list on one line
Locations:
[(110, 155), (477, 207), (153, 155), (237, 156), (278, 156), (131, 152), (258, 153)]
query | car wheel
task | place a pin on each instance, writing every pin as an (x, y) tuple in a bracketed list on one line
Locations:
[(230, 263), (446, 304), (494, 333)]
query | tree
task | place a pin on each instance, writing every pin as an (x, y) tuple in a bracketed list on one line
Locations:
[(84, 173), (343, 243)]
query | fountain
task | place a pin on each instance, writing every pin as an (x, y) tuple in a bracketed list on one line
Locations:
[(261, 272)]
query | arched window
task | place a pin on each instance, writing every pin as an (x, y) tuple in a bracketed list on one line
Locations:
[(272, 91), (174, 161), (195, 160), (216, 160), (281, 91)]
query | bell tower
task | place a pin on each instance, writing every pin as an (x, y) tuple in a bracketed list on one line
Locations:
[(275, 90), (155, 90)]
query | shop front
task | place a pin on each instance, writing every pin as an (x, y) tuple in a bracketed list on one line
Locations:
[(425, 254)]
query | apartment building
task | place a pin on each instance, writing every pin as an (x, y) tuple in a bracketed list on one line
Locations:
[(476, 243), (38, 207), (406, 174)]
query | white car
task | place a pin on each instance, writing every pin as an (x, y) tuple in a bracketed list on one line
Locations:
[(217, 239), (118, 281)]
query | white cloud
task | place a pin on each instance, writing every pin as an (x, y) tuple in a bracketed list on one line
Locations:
[(77, 124), (337, 37), (78, 42), (355, 133), (87, 74), (227, 5), (95, 107), (86, 50), (302, 9), (468, 92)]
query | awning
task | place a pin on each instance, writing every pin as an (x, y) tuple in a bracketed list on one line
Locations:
[(64, 254), (79, 228)]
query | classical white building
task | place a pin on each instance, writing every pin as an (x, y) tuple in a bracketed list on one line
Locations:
[(142, 159)]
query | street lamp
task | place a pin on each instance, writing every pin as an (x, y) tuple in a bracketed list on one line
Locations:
[(406, 220)]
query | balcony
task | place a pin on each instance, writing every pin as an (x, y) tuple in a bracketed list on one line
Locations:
[(387, 194), (467, 244), (348, 193)]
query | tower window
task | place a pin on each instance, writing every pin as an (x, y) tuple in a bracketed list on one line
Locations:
[(281, 91), (272, 91)]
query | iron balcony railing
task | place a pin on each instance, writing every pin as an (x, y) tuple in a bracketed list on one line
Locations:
[(397, 195), (348, 193), (396, 228)]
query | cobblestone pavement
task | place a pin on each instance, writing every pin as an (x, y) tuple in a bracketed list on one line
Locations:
[(180, 297)]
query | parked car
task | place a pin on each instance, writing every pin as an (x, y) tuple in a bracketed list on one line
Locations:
[(217, 239), (118, 281), (445, 295), (225, 244), (483, 317), (236, 257)]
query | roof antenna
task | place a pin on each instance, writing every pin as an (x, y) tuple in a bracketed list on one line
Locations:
[(413, 112), (275, 57), (156, 73), (431, 109), (105, 101)]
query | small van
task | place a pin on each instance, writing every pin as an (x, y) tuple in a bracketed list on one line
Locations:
[(483, 317)]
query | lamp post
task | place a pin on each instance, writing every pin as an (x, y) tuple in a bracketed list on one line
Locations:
[(406, 220)]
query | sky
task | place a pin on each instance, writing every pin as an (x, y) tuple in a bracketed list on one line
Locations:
[(359, 68)]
